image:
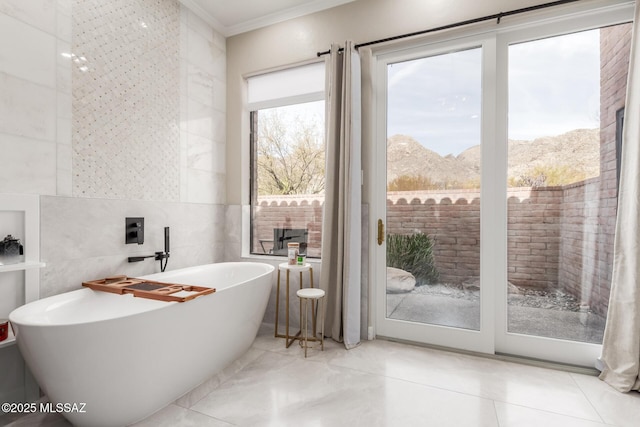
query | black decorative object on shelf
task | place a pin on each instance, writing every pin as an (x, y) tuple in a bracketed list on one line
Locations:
[(11, 250)]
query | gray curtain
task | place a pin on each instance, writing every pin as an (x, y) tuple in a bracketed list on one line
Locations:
[(341, 245), (621, 345)]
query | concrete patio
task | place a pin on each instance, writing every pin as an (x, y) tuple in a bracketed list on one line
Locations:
[(465, 313)]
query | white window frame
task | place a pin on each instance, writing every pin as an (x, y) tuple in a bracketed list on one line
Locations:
[(273, 102)]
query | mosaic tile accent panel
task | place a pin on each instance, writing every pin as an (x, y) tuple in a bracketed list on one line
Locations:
[(126, 99)]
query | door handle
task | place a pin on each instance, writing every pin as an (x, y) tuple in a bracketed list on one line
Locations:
[(380, 232)]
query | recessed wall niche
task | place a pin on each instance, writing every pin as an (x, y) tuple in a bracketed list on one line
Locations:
[(126, 99)]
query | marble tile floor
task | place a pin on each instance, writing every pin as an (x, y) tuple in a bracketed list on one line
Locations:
[(383, 383)]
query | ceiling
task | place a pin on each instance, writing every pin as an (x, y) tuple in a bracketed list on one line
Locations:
[(231, 17)]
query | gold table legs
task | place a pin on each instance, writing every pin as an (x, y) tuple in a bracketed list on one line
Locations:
[(289, 338)]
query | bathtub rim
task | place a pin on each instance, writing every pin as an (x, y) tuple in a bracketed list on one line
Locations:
[(25, 313)]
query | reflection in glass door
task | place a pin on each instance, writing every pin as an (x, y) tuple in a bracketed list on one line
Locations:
[(433, 189), (565, 98)]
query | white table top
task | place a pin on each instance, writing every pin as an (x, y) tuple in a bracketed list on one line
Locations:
[(295, 268)]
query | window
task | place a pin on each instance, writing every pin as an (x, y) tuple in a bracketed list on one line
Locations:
[(287, 159)]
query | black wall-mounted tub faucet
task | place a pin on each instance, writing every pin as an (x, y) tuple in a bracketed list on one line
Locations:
[(134, 230), (158, 256)]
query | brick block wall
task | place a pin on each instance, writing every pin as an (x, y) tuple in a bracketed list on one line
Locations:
[(533, 236), (589, 217), (552, 231), (587, 225), (451, 217), (300, 211)]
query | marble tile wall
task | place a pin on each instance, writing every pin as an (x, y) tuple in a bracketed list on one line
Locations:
[(202, 111), (46, 125), (233, 231), (189, 85), (36, 92), (190, 160), (35, 107), (126, 99), (84, 239)]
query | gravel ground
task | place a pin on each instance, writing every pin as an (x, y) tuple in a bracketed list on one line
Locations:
[(551, 299)]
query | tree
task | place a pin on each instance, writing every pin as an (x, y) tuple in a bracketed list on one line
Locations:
[(411, 183), (548, 176), (420, 182), (290, 153)]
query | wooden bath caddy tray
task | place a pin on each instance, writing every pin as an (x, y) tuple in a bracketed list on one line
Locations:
[(147, 288)]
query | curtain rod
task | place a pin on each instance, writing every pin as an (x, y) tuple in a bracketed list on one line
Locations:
[(497, 16)]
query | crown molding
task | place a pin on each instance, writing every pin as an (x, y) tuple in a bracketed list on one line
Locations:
[(274, 18), (195, 7), (263, 21)]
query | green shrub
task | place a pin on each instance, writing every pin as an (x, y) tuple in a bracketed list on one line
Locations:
[(412, 253)]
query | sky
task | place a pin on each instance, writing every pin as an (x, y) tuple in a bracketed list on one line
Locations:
[(554, 87)]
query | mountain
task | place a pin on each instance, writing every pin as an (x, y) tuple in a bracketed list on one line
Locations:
[(406, 156), (577, 149)]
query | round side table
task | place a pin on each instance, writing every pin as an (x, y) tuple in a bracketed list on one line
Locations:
[(290, 269)]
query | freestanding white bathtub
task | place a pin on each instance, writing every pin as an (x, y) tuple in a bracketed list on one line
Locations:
[(126, 357)]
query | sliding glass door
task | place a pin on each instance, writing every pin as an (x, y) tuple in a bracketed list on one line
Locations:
[(432, 230), (434, 106), (496, 188), (566, 94)]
